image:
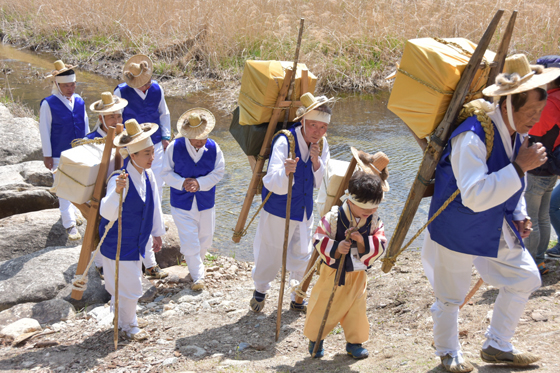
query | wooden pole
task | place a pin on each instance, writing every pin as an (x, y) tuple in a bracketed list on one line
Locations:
[(436, 146), (92, 215), (472, 292), (336, 202), (294, 73), (331, 298), (501, 54), (284, 253), (117, 262), (289, 197)]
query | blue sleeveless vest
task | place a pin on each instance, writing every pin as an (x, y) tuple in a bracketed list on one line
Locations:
[(93, 135), (187, 168), (342, 225), (138, 220), (302, 190), (66, 125), (144, 111), (458, 228)]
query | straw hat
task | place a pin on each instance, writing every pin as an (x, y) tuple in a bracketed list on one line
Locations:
[(372, 164), (59, 68), (309, 103), (134, 133), (138, 70), (519, 76), (196, 123), (109, 103)]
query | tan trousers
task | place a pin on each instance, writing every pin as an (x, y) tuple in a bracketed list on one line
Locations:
[(348, 307)]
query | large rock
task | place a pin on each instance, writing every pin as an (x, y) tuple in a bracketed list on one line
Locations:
[(24, 200), (27, 233), (20, 139), (20, 327), (47, 312), (44, 275), (25, 187), (33, 173), (170, 253)]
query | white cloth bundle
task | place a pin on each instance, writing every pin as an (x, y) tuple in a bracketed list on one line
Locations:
[(77, 172), (331, 181)]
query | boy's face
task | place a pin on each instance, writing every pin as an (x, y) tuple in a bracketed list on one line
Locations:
[(359, 212), (67, 89), (144, 158)]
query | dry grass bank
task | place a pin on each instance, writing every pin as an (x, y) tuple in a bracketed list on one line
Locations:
[(350, 44)]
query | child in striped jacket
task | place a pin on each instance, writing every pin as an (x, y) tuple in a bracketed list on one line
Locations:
[(356, 219)]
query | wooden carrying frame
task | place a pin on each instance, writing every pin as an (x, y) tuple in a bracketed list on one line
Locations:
[(90, 210), (422, 186), (282, 103)]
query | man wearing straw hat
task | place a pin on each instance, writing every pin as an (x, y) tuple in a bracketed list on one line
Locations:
[(109, 110), (142, 219), (308, 168), (193, 165), (62, 118), (146, 103), (486, 223)]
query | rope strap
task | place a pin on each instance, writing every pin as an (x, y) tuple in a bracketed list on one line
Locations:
[(71, 178), (488, 127), (298, 288), (97, 141)]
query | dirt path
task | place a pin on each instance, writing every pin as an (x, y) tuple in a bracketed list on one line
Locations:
[(215, 330)]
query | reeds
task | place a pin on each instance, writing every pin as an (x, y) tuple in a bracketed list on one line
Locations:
[(349, 44)]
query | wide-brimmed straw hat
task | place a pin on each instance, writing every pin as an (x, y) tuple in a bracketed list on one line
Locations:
[(519, 76), (309, 103), (372, 164), (196, 124), (59, 68), (109, 103), (134, 133), (138, 70)]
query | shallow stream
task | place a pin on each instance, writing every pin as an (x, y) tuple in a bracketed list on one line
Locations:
[(362, 121)]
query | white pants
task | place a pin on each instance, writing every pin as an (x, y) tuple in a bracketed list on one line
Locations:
[(67, 209), (130, 289), (196, 231), (269, 244), (157, 167), (513, 272)]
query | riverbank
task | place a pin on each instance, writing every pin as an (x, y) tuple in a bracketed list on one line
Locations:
[(350, 45), (215, 330)]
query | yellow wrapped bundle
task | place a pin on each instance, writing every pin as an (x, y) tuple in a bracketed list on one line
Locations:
[(428, 74), (260, 85)]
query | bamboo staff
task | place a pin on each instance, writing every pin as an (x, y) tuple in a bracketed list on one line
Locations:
[(289, 196), (117, 259), (335, 286)]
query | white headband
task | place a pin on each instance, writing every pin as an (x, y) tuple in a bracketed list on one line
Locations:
[(353, 199), (140, 145), (65, 78), (317, 115)]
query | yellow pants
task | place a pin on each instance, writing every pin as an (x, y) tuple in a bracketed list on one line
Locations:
[(348, 307)]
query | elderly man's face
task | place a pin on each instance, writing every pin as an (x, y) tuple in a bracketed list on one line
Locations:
[(314, 130), (529, 114), (198, 143), (67, 89), (111, 120)]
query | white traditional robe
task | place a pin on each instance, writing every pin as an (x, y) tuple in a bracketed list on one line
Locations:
[(269, 238), (196, 228), (513, 271), (130, 272)]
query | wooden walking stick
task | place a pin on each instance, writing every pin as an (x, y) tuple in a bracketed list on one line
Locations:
[(117, 260), (289, 197), (331, 298)]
